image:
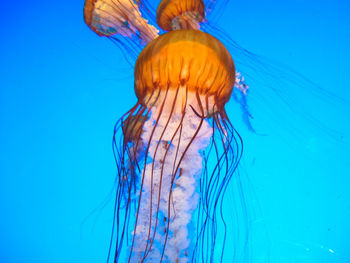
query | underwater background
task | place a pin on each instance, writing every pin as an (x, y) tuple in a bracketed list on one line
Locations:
[(62, 88)]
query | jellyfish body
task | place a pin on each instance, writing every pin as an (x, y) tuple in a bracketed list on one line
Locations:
[(174, 14), (118, 17), (167, 194)]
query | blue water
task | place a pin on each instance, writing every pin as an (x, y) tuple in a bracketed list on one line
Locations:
[(62, 88)]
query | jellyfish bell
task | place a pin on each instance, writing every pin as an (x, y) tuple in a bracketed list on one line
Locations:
[(190, 62), (174, 14), (183, 80), (184, 12)]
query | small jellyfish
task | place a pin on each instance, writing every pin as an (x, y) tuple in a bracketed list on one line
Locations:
[(118, 17), (174, 14)]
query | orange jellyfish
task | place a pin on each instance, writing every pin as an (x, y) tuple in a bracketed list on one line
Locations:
[(182, 81), (123, 17), (120, 21), (172, 15)]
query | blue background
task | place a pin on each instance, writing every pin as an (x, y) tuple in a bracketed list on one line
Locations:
[(62, 88)]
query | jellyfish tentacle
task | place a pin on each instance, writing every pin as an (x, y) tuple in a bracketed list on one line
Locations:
[(222, 185), (160, 181), (124, 184), (223, 159), (120, 181), (177, 142), (127, 158), (162, 169), (173, 177), (143, 176), (238, 147), (182, 80)]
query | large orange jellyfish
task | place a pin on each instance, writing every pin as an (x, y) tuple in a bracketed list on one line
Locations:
[(182, 80), (169, 196)]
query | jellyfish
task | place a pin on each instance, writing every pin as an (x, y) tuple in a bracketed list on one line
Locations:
[(122, 22), (183, 80), (110, 17), (172, 14)]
